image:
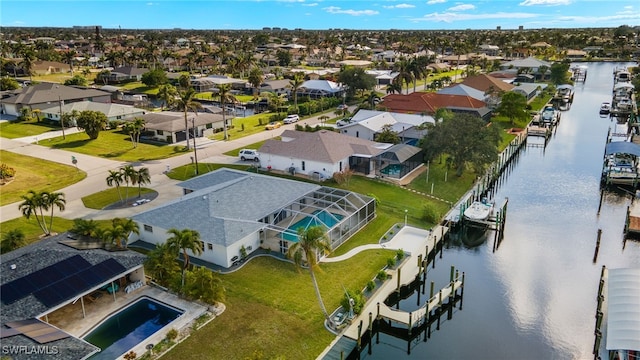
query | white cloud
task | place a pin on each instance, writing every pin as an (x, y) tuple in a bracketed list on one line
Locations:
[(452, 17), (432, 2), (149, 4), (399, 6), (310, 4), (545, 2), (462, 7), (338, 10), (621, 16)]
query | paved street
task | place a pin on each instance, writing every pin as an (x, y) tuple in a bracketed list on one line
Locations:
[(97, 169)]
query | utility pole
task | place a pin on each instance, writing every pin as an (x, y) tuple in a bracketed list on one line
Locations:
[(195, 151), (61, 116)]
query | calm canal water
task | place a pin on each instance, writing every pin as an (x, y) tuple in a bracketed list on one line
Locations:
[(535, 297)]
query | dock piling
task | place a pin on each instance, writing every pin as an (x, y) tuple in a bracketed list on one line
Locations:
[(595, 254)]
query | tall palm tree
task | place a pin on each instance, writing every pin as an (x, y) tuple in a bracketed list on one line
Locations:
[(141, 177), (403, 68), (115, 178), (167, 93), (161, 263), (311, 241), (185, 240), (33, 204), (68, 57), (123, 228), (28, 57), (296, 82), (224, 93), (51, 201), (255, 79), (128, 175), (186, 102), (84, 227)]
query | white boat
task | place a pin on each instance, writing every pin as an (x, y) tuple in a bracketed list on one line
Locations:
[(478, 211), (549, 115), (605, 108)]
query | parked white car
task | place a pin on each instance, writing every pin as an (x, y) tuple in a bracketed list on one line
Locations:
[(290, 119), (343, 122), (249, 154)]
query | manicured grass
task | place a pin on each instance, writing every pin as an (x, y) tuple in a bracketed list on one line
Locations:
[(139, 88), (271, 306), (18, 129), (104, 198), (113, 144), (252, 125), (35, 174), (186, 172)]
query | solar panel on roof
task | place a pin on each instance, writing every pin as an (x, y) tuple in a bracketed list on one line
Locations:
[(36, 330), (28, 284)]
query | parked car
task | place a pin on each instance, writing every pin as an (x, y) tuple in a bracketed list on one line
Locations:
[(290, 119), (342, 107), (343, 122), (273, 125), (249, 154)]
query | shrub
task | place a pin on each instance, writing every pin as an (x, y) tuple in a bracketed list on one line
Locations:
[(6, 172), (430, 213), (371, 284), (358, 301), (391, 262), (382, 275), (172, 334), (400, 254)]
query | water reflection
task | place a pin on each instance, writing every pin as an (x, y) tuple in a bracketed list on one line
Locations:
[(535, 297)]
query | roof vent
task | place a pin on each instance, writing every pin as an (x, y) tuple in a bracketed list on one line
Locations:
[(13, 266)]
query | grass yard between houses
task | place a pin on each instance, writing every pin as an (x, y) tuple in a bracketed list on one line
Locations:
[(18, 129), (113, 144), (35, 174), (110, 196)]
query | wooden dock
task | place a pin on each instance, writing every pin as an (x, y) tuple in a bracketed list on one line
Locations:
[(407, 272)]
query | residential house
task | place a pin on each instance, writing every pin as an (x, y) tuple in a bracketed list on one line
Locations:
[(41, 67), (123, 74), (490, 50), (316, 89), (113, 112), (278, 87), (529, 90), (237, 212), (429, 103), (321, 154), (168, 126), (529, 65), (367, 124), (486, 83), (43, 95), (382, 77), (463, 90), (50, 274)]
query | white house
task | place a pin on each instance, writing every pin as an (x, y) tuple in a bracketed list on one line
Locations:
[(234, 210), (366, 124), (319, 154)]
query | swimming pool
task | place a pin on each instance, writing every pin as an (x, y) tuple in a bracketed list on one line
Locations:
[(322, 218), (127, 328), (392, 170)]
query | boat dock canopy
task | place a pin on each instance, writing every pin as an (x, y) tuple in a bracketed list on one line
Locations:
[(623, 326), (624, 147)]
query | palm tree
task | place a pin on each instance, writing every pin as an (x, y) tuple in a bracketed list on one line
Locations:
[(185, 103), (141, 177), (184, 240), (69, 56), (51, 201), (121, 230), (128, 174), (394, 87), (161, 263), (167, 93), (28, 57), (298, 80), (255, 79), (311, 241), (115, 178), (403, 68), (32, 205), (12, 240), (84, 227), (224, 95)]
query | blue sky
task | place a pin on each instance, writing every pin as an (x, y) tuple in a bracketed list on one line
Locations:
[(322, 14)]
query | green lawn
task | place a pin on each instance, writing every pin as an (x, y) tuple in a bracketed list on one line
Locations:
[(104, 198), (113, 144), (18, 129), (35, 174)]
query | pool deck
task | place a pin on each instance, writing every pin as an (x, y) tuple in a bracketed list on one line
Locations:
[(69, 318)]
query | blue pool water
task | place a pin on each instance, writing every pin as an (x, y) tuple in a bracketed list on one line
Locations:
[(392, 170), (324, 218), (129, 327)]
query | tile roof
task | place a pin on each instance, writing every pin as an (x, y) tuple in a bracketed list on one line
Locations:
[(483, 82), (322, 146), (429, 103), (229, 208), (110, 110), (173, 121), (51, 93)]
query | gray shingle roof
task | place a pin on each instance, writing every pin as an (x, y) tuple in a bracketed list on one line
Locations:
[(49, 92), (322, 146), (229, 208), (37, 256)]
